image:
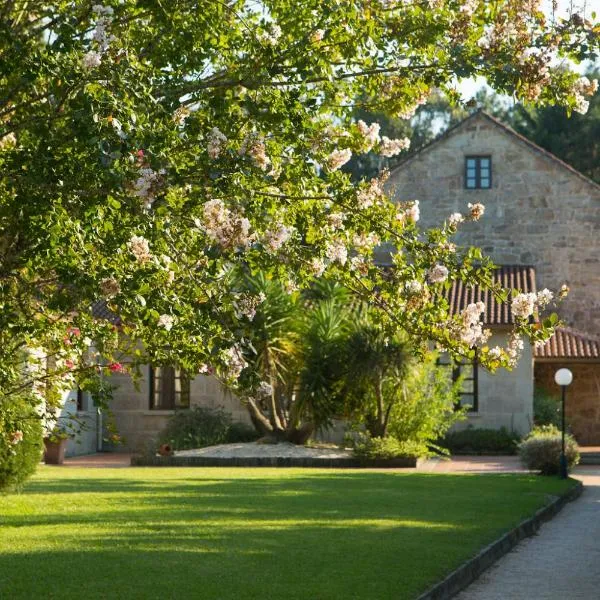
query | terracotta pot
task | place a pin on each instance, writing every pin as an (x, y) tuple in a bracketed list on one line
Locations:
[(54, 452), (165, 450)]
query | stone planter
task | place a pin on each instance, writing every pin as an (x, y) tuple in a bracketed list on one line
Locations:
[(54, 452)]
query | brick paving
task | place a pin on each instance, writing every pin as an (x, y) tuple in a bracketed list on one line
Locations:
[(103, 460), (561, 562)]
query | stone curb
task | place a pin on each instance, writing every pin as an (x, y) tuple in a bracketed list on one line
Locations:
[(459, 579), (272, 461)]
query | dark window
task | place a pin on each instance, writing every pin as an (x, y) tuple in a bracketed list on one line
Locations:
[(169, 388), (81, 400), (478, 172), (467, 372)]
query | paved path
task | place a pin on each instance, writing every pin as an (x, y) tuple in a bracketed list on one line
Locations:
[(561, 562), (108, 460)]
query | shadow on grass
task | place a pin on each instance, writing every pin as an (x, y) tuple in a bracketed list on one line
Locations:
[(310, 535)]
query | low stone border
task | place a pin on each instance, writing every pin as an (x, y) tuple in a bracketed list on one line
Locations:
[(273, 461), (459, 579)]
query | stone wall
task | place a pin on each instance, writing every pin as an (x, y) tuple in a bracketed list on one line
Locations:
[(138, 424), (537, 212), (582, 408)]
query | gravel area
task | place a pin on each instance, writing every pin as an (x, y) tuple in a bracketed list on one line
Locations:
[(254, 450)]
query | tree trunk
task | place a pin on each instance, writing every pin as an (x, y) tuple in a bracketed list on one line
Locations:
[(260, 422), (300, 435)]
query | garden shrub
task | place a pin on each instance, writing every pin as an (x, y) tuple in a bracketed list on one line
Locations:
[(201, 426), (20, 442), (481, 441), (241, 432), (369, 447), (540, 450), (546, 408)]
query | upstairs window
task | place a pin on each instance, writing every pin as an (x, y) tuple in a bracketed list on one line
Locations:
[(169, 388), (478, 172)]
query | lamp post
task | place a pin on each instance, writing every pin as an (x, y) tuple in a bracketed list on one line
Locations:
[(563, 377)]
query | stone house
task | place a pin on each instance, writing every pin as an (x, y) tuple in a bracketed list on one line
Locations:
[(541, 223), (541, 213)]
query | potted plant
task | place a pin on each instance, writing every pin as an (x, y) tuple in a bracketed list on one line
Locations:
[(54, 446)]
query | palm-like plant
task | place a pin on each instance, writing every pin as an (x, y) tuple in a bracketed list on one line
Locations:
[(377, 365), (297, 349)]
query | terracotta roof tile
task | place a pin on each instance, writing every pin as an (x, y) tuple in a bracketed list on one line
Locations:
[(567, 343), (516, 277)]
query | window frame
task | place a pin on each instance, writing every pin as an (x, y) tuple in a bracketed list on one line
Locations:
[(178, 373), (478, 158), (456, 367), (80, 404)]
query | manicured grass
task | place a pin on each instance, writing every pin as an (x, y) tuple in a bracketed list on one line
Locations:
[(251, 533)]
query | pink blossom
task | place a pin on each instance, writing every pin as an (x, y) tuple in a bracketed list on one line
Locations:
[(116, 367)]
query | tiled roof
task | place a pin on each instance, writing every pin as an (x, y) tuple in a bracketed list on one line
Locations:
[(516, 277), (566, 343), (101, 311)]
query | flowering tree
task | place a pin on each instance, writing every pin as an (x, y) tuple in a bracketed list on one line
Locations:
[(148, 149)]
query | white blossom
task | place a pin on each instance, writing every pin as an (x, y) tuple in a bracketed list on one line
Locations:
[(254, 146), (145, 186), (91, 59), (476, 210), (166, 322), (413, 287), (336, 251), (336, 220), (246, 305), (338, 158), (523, 305), (369, 195), (276, 237), (235, 362), (455, 218), (388, 147), (265, 389), (271, 36), (495, 353), (139, 247), (109, 287), (225, 227), (370, 134), (216, 141), (437, 274), (412, 213), (317, 267), (359, 264), (544, 297), (317, 35), (365, 241), (8, 141)]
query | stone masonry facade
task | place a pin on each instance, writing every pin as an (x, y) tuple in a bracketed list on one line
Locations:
[(139, 425), (538, 211)]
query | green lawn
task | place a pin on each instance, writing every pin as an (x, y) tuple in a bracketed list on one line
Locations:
[(250, 533)]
